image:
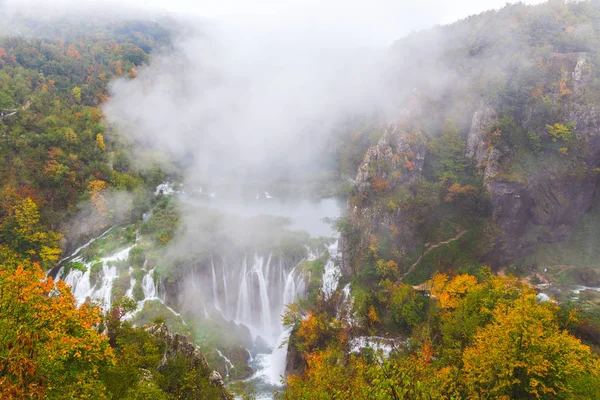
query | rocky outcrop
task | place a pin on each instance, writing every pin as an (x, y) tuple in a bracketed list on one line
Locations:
[(396, 160), (397, 157), (179, 346), (484, 118)]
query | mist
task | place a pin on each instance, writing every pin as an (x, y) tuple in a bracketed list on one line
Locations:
[(236, 106)]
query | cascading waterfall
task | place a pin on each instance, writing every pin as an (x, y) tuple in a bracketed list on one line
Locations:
[(81, 284), (148, 285), (331, 274), (228, 363), (214, 286), (255, 295), (101, 290), (264, 295)]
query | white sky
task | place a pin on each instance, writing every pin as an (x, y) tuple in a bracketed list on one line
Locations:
[(362, 22)]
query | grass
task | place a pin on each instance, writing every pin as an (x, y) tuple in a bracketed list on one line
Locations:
[(115, 240)]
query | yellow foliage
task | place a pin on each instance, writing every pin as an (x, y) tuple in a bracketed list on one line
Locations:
[(97, 198), (373, 244), (100, 142), (22, 231), (449, 292), (373, 317), (524, 354)]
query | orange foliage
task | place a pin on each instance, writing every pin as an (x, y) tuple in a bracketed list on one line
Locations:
[(309, 329), (380, 184), (372, 316), (118, 68), (456, 191), (73, 53), (48, 348), (449, 292), (563, 87)]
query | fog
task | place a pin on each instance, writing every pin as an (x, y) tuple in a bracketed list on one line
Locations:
[(243, 105), (254, 89)]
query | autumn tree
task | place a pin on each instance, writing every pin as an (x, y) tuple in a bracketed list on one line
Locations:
[(22, 232), (49, 349), (524, 354)]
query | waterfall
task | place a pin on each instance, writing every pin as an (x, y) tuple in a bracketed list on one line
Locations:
[(243, 306), (129, 292), (265, 310), (289, 290), (225, 291), (102, 289), (331, 275), (214, 286), (278, 358), (228, 363), (148, 285)]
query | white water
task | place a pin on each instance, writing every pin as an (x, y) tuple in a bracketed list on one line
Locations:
[(332, 273), (255, 294), (381, 345), (228, 363), (101, 291)]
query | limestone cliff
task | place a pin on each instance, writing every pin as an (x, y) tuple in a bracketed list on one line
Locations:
[(538, 185), (396, 160), (552, 197)]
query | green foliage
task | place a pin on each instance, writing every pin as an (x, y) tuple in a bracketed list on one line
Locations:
[(449, 163), (138, 292), (406, 307), (96, 272), (535, 142)]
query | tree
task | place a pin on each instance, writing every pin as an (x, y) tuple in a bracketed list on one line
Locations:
[(22, 232), (524, 354), (449, 161), (77, 94), (48, 347), (564, 132), (100, 142)]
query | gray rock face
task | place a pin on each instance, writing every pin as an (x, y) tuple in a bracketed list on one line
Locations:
[(556, 197), (398, 156), (397, 159), (216, 379), (483, 119)]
